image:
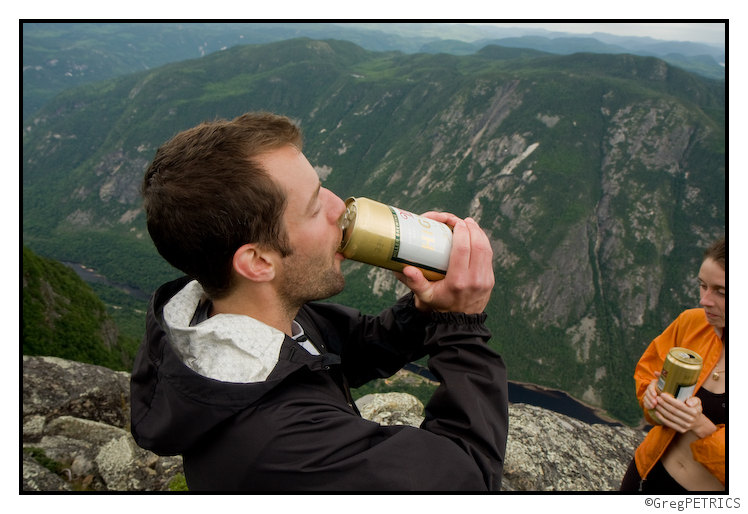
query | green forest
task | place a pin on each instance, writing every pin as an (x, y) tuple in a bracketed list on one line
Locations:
[(63, 317)]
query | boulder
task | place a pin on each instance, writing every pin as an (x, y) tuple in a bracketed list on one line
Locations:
[(77, 416), (391, 409), (35, 477), (54, 387)]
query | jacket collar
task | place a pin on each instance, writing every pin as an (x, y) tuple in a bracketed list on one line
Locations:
[(230, 347)]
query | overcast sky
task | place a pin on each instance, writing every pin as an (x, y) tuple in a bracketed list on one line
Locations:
[(711, 33)]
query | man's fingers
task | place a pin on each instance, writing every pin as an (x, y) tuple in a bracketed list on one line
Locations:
[(459, 259), (481, 253), (447, 218)]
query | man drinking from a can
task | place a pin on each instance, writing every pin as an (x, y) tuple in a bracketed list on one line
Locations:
[(247, 377)]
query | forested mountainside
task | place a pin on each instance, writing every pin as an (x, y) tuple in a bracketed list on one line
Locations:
[(600, 179), (62, 316)]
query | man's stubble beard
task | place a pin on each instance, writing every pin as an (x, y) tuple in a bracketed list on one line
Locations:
[(304, 282)]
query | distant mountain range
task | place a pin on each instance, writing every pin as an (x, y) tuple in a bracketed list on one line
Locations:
[(599, 179), (61, 55)]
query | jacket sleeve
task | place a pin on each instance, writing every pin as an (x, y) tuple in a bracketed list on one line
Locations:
[(372, 347), (470, 406), (651, 361), (304, 436), (710, 453)]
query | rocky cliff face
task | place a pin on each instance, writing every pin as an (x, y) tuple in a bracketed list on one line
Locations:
[(76, 421), (596, 219)]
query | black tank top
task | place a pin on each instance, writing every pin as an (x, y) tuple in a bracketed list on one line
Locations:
[(713, 406)]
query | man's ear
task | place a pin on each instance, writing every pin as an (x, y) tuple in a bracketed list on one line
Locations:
[(254, 263)]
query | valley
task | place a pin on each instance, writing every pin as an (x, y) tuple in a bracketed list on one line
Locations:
[(598, 178)]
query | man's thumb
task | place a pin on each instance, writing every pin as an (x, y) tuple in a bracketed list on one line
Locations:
[(415, 279)]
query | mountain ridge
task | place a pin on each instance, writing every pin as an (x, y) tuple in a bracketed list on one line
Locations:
[(61, 55), (598, 179)]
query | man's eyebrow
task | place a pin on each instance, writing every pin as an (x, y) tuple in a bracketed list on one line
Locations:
[(313, 200)]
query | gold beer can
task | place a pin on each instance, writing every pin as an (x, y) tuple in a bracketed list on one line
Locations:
[(391, 238), (679, 375)]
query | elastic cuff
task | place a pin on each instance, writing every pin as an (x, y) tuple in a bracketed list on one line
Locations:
[(408, 305), (458, 318)]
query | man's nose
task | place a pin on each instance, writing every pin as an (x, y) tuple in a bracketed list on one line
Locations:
[(338, 206)]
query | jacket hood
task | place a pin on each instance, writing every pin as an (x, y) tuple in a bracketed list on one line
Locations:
[(226, 347), (227, 362)]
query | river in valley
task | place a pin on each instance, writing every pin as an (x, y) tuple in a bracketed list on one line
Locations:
[(89, 275)]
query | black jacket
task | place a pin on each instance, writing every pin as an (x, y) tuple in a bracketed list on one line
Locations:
[(298, 428)]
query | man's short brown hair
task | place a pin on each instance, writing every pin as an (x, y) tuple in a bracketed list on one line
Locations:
[(206, 195)]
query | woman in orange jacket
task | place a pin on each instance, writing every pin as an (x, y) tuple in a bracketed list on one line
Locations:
[(685, 451)]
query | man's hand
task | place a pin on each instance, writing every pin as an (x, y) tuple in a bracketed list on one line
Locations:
[(469, 281)]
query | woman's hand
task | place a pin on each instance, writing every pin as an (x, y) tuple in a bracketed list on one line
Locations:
[(684, 416), (650, 395), (469, 281)]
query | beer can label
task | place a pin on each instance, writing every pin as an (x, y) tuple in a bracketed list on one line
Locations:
[(661, 381), (683, 393), (420, 241)]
